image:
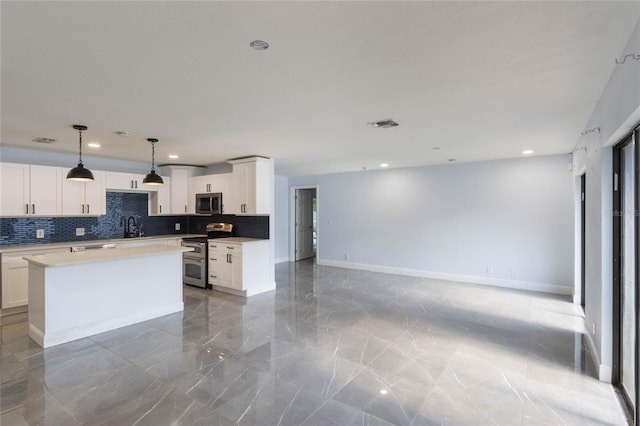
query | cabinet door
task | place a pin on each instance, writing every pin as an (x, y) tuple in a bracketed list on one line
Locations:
[(253, 187), (14, 189), (73, 197), (236, 270), (15, 282), (164, 196), (160, 201), (239, 188), (46, 191), (180, 193), (95, 195), (201, 184), (117, 180)]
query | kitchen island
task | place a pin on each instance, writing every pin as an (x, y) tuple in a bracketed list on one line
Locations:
[(76, 295)]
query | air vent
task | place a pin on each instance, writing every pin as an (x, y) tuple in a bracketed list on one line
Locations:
[(44, 140), (385, 124)]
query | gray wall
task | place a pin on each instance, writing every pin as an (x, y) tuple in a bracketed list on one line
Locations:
[(616, 114), (508, 215), (281, 232)]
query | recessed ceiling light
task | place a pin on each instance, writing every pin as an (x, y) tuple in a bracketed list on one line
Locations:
[(123, 134), (528, 152), (451, 160), (93, 145), (383, 391), (173, 156), (436, 147), (259, 45), (384, 165)]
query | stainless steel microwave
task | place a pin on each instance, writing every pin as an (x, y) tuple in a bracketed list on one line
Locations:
[(209, 203)]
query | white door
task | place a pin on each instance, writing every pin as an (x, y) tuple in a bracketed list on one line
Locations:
[(304, 223)]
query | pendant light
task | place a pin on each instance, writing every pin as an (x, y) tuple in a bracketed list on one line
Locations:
[(79, 173), (153, 178)]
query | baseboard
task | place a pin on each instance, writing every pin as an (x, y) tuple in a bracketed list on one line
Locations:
[(495, 282), (63, 336), (605, 372), (282, 260)]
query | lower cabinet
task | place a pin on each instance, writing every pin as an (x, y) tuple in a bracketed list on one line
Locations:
[(15, 282), (240, 268), (15, 277)]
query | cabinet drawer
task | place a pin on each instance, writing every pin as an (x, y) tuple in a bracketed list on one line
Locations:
[(214, 277)]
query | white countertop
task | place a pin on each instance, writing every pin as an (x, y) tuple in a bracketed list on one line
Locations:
[(238, 240), (91, 256), (69, 244)]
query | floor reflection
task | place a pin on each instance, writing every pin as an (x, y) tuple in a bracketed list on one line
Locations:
[(329, 346)]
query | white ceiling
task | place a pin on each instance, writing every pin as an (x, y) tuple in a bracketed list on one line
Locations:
[(481, 80)]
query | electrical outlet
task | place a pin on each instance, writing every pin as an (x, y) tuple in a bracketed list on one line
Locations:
[(513, 272), (40, 233), (489, 269), (177, 226), (79, 232), (346, 257)]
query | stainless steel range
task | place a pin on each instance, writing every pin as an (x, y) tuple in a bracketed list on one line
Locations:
[(194, 263)]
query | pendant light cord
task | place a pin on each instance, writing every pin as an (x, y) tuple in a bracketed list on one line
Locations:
[(153, 156), (80, 132)]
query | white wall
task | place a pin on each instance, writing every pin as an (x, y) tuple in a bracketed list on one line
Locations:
[(454, 219), (281, 231), (616, 114)]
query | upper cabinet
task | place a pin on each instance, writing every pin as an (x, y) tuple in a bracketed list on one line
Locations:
[(127, 182), (30, 190), (84, 198), (160, 201), (252, 186), (180, 190), (214, 183)]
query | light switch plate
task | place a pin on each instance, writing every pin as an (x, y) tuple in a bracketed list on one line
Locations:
[(40, 233), (177, 226), (79, 232)]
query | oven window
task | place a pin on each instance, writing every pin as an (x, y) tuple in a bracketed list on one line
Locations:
[(193, 270)]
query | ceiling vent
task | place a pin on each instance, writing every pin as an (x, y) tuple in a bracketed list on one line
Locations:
[(385, 124), (44, 140)]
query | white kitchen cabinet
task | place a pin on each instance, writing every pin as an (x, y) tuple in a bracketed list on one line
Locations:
[(252, 186), (225, 265), (84, 198), (127, 182), (160, 201), (181, 200), (15, 277), (30, 190), (15, 282), (240, 268)]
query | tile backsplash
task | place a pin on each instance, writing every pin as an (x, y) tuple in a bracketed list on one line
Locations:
[(19, 231), (61, 229)]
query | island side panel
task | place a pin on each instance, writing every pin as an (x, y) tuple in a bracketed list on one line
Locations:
[(90, 298), (36, 303)]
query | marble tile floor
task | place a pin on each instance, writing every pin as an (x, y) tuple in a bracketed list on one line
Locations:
[(329, 347)]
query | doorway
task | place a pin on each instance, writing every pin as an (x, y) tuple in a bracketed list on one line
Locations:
[(305, 223), (625, 279)]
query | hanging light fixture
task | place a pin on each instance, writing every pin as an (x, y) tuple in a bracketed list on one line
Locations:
[(153, 178), (79, 173)]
